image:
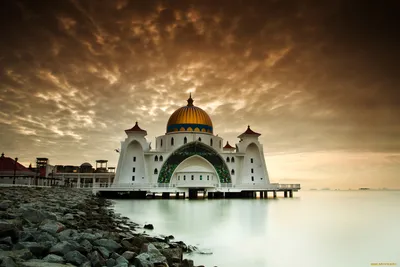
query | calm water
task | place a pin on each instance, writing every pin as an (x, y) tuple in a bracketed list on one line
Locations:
[(315, 228)]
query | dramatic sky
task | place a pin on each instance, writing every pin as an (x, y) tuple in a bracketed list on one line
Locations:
[(319, 79)]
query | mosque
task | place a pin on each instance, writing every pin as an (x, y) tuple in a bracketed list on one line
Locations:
[(189, 156)]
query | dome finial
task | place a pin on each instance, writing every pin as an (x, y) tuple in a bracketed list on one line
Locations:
[(190, 100)]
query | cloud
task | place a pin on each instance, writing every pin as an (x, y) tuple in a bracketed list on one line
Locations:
[(309, 76)]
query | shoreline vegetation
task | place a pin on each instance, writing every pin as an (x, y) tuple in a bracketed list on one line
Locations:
[(59, 227)]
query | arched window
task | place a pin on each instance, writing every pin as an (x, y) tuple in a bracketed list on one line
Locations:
[(172, 141), (233, 159), (161, 143), (155, 171), (199, 139), (233, 172), (201, 177), (184, 177), (252, 178), (252, 170), (133, 169), (156, 158), (192, 177), (185, 140), (227, 159), (251, 160), (161, 158), (211, 142), (134, 159)]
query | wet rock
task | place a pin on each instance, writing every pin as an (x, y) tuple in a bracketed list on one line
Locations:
[(104, 252), (143, 260), (54, 258), (35, 248), (187, 263), (96, 259), (5, 204), (110, 262), (23, 254), (86, 246), (42, 263), (67, 234), (62, 248), (155, 256), (10, 228), (35, 215), (173, 255), (129, 255), (68, 216), (6, 240), (109, 244), (7, 262), (121, 260), (148, 226), (51, 227), (75, 257)]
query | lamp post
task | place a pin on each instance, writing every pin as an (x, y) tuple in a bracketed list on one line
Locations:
[(15, 169)]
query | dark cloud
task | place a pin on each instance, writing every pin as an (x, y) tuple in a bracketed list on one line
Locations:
[(309, 75)]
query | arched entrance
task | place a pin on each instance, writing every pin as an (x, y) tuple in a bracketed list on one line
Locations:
[(189, 150)]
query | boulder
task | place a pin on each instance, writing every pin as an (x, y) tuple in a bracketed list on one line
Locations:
[(187, 263), (22, 254), (35, 248), (75, 257), (173, 255), (68, 216), (67, 234), (6, 240), (45, 237), (148, 226), (96, 259), (155, 256), (63, 248), (5, 204), (54, 258), (121, 260), (86, 246), (109, 244), (143, 260), (10, 228), (35, 215), (103, 251), (129, 255), (51, 226), (42, 263), (7, 262), (110, 262)]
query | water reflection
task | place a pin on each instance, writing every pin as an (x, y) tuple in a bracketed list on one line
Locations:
[(313, 229)]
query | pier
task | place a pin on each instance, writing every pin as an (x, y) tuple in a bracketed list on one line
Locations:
[(219, 191)]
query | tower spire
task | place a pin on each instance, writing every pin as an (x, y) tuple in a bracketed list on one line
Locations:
[(190, 100)]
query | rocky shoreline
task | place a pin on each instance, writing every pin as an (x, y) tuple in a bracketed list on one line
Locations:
[(56, 227)]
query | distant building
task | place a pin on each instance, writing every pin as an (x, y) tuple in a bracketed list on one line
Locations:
[(12, 172)]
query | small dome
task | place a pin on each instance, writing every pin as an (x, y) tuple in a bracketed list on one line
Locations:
[(86, 164), (189, 119)]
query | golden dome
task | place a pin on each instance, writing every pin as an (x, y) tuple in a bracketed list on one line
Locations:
[(189, 119)]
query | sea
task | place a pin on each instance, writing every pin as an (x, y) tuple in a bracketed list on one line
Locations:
[(312, 229)]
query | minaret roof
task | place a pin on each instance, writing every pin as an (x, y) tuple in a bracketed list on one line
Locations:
[(228, 146), (249, 132), (137, 129)]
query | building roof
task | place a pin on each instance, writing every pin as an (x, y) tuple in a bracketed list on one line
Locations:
[(189, 118), (8, 165), (249, 132), (136, 128), (228, 146)]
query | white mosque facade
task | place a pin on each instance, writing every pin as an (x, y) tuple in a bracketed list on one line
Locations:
[(189, 155)]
